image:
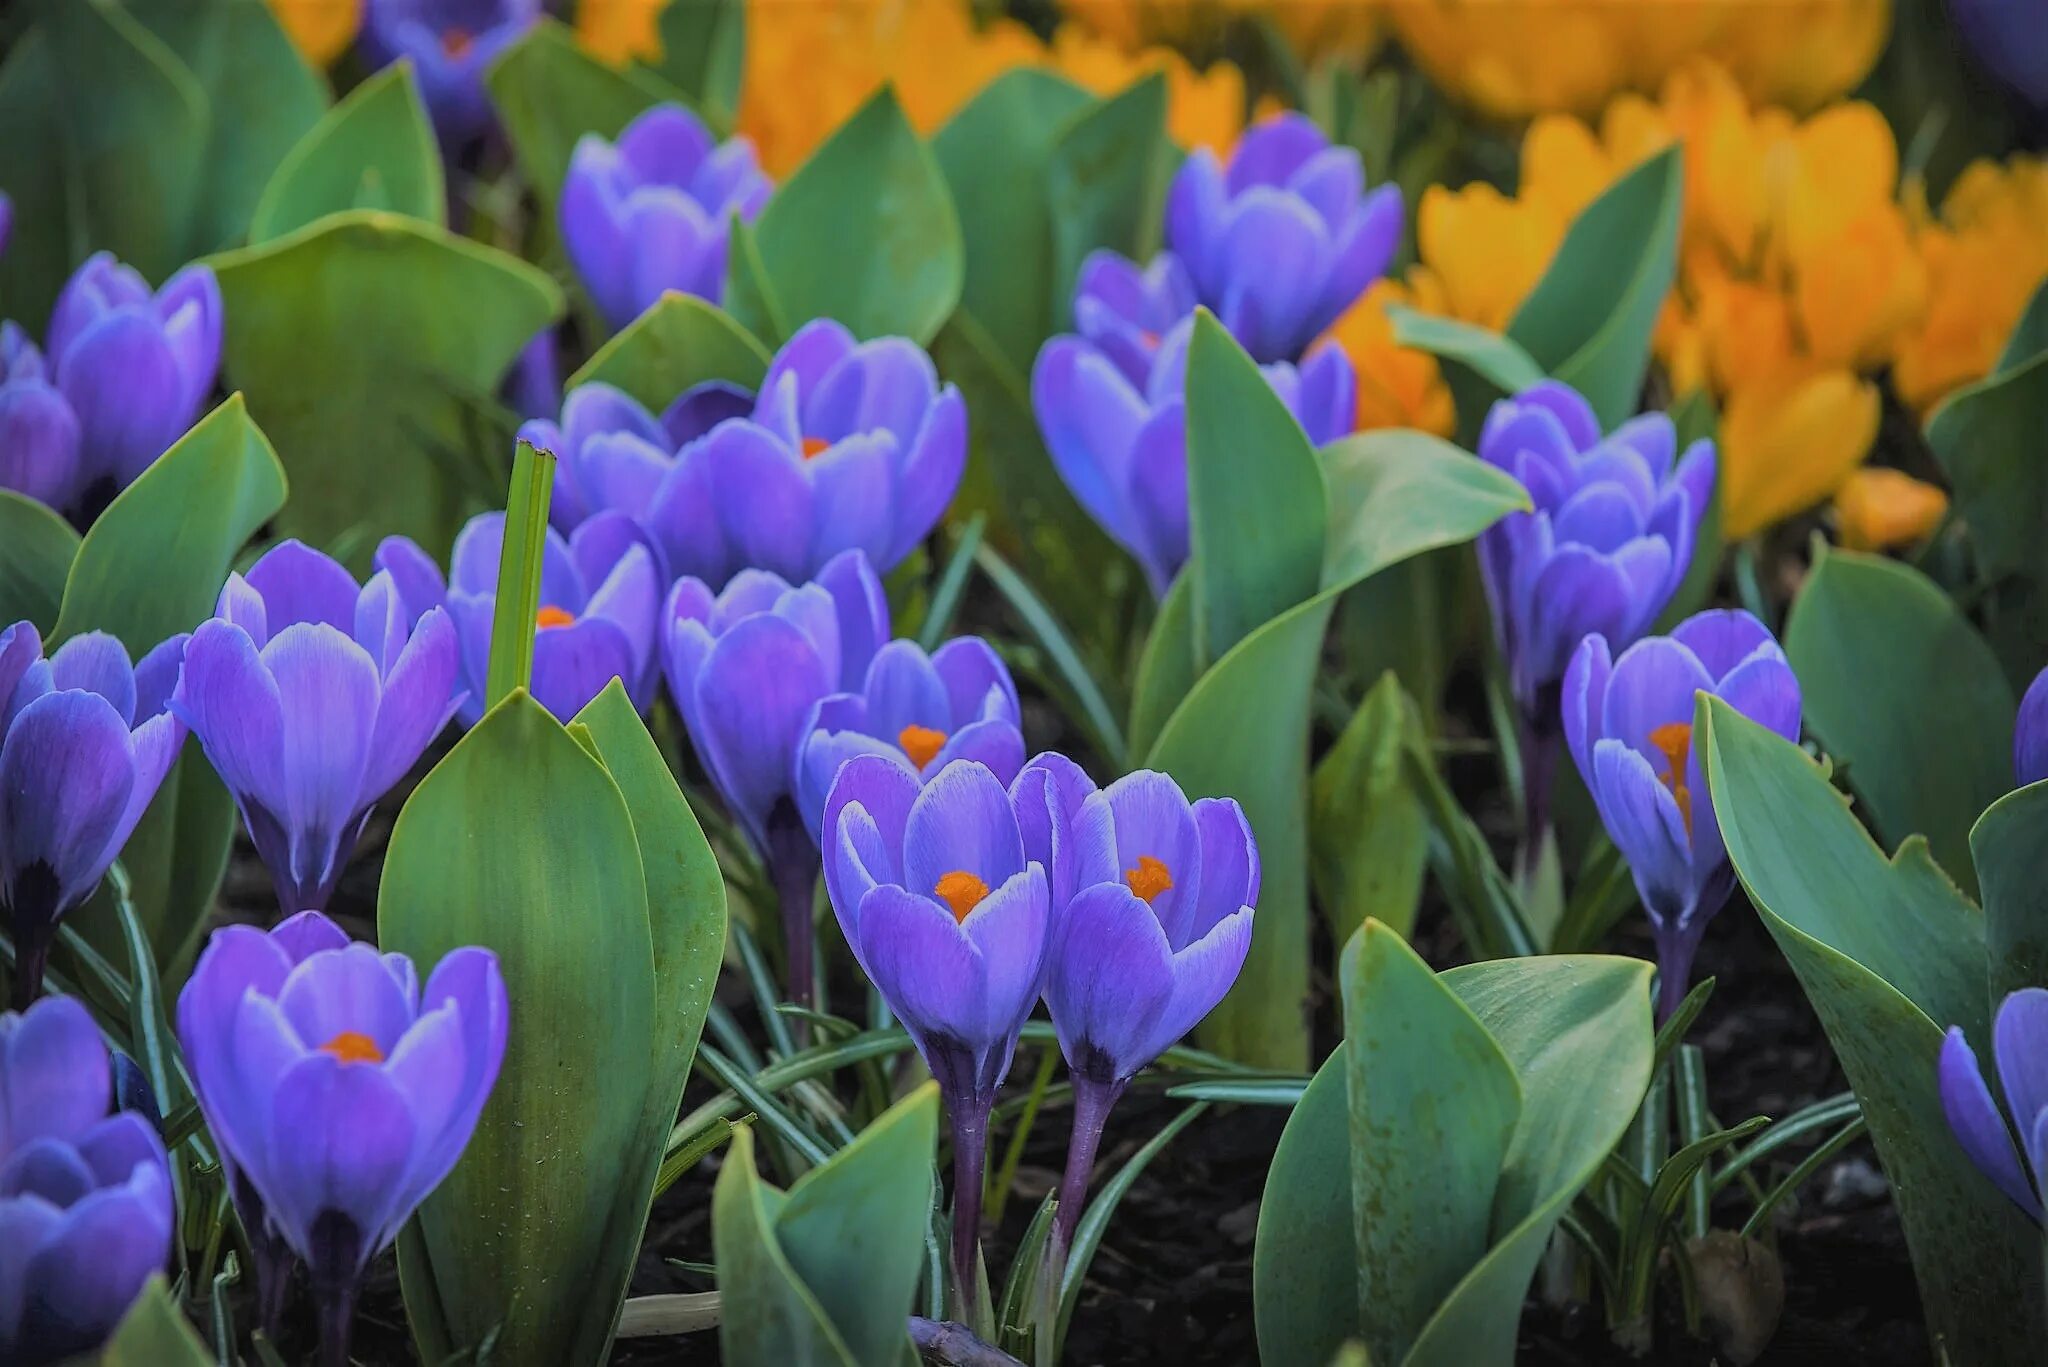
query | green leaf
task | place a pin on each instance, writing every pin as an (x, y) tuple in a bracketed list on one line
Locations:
[(681, 341), (1987, 436), (154, 1333), (2009, 848), (1368, 835), (703, 52), (1395, 494), (871, 194), (523, 551), (365, 304), (520, 841), (1494, 358), (1589, 319), (1433, 1104), (1901, 690), (50, 232), (550, 93), (1890, 953), (1304, 1259), (374, 150), (1106, 184), (767, 1317), (36, 550), (1256, 507)]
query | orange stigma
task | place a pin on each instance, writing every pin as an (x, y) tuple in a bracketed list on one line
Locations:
[(353, 1046), (921, 743), (961, 891), (456, 41), (553, 617), (1674, 741), (815, 446), (1149, 878)]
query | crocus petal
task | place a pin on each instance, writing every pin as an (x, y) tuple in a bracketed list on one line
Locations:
[(299, 584), (347, 991), (930, 474), (925, 966), (97, 663), (1109, 978), (66, 771), (351, 1140), (1154, 821), (961, 822), (1203, 973), (417, 699), (54, 1075), (866, 814), (752, 695), (1643, 818), (2017, 1035), (123, 382), (1977, 1124), (83, 1277)]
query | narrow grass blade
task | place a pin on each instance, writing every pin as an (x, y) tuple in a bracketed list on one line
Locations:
[(518, 607)]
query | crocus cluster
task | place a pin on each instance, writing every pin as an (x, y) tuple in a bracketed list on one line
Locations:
[(1629, 724), (451, 44), (84, 744), (2019, 1038), (600, 592), (314, 695), (339, 1091), (651, 212), (1119, 437), (124, 374)]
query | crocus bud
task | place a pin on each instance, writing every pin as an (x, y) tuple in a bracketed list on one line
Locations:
[(2019, 1039), (451, 44), (38, 430), (313, 696), (651, 212), (1284, 238)]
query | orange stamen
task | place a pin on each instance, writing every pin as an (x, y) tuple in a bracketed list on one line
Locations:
[(353, 1046), (456, 41), (1149, 878), (553, 617), (1674, 741), (921, 743), (961, 891), (815, 446)]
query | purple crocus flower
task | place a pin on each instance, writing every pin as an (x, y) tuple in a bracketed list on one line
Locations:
[(85, 1197), (1283, 239), (135, 367), (1152, 913), (608, 448), (1122, 446), (2030, 733), (2019, 1042), (38, 430), (2010, 37), (920, 711), (651, 212), (313, 696), (1127, 311), (339, 1090), (850, 446), (6, 221), (452, 43), (1629, 721), (599, 597), (86, 745), (950, 919), (747, 668)]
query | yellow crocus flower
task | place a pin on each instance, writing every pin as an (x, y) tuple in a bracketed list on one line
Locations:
[(320, 29), (1786, 446), (1879, 509)]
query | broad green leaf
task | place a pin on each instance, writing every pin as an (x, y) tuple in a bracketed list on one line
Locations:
[(1433, 1106), (1106, 184), (36, 549), (520, 841), (154, 1333), (374, 150), (369, 345), (1890, 955), (1167, 666), (1906, 695), (1304, 1257), (1498, 360), (1589, 319), (767, 1316), (1256, 506), (680, 341), (703, 52), (50, 233), (1368, 834), (1987, 436), (870, 195), (1394, 494), (2009, 848), (550, 93), (995, 155)]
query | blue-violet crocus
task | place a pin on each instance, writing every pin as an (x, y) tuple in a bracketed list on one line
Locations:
[(2019, 1047), (86, 744), (2030, 733), (600, 593), (38, 430), (451, 44), (747, 668), (1284, 238), (85, 1196), (651, 212), (950, 919), (313, 696), (341, 1092), (1122, 445), (1127, 311), (1629, 724), (606, 441)]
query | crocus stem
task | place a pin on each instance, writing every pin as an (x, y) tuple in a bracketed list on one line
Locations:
[(969, 1116), (334, 1268), (1537, 735), (1092, 1103), (31, 955), (947, 1343), (793, 868), (336, 1307), (1676, 946)]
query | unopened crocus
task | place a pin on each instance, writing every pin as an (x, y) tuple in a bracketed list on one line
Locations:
[(85, 1196), (86, 744), (2019, 1044), (451, 44), (748, 667), (608, 448), (339, 1090), (1122, 445), (38, 430), (313, 696), (950, 919), (135, 366), (1629, 724), (651, 212), (1152, 919), (600, 594), (1126, 311), (2030, 733), (1281, 240)]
